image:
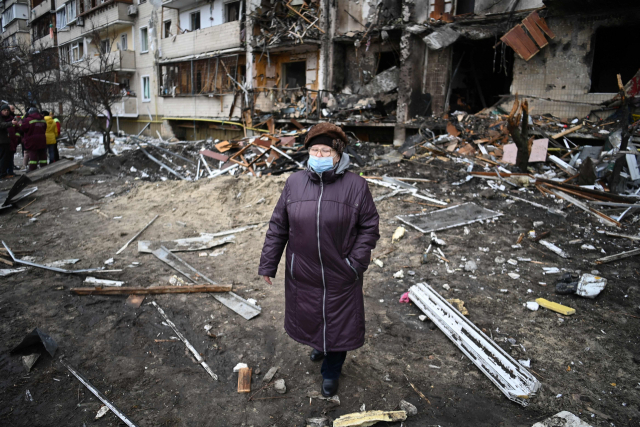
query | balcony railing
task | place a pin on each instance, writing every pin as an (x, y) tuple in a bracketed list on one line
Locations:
[(128, 107), (217, 37)]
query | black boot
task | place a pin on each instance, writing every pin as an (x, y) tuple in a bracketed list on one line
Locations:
[(329, 387), (316, 355)]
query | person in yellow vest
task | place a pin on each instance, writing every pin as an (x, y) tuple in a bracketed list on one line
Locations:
[(52, 133)]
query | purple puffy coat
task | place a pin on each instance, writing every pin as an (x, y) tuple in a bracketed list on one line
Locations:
[(330, 223)]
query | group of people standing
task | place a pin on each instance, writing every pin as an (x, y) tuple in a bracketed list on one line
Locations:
[(37, 132)]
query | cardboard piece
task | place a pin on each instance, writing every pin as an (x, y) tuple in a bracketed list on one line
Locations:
[(510, 153), (539, 150)]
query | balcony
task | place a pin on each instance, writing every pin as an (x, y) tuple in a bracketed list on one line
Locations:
[(122, 60), (41, 9), (210, 39), (9, 3), (16, 26), (128, 107), (44, 43), (108, 13)]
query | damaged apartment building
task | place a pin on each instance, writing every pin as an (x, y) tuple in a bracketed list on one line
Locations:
[(379, 68)]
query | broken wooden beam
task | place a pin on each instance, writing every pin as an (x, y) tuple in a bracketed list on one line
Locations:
[(154, 290), (616, 257), (566, 132)]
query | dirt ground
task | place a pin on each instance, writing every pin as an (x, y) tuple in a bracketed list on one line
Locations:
[(587, 363)]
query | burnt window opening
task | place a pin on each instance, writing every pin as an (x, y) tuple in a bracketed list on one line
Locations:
[(479, 82), (167, 29), (232, 11), (198, 82), (295, 74), (465, 6), (611, 57), (195, 21), (209, 76), (387, 60)]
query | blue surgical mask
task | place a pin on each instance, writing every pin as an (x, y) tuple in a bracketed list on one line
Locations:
[(320, 164)]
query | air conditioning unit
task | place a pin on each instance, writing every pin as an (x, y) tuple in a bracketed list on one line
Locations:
[(80, 21), (132, 10)]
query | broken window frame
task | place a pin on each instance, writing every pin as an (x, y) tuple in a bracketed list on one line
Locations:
[(232, 6), (193, 22), (199, 77)]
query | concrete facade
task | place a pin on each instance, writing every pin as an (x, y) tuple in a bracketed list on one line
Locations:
[(223, 70)]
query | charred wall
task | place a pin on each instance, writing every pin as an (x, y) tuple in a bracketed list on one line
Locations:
[(559, 76)]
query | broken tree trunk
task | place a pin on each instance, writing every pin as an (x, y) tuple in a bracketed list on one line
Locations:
[(520, 135)]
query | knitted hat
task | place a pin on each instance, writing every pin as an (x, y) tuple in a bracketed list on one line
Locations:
[(327, 134), (5, 107)]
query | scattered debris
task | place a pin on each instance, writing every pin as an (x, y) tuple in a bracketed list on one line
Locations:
[(186, 343), (153, 290), (554, 306), (102, 412), (192, 244), (409, 408), (102, 282), (553, 248), (98, 394), (244, 380), (58, 270), (270, 374), (368, 418), (507, 374), (454, 216), (4, 272), (532, 305), (280, 386), (459, 304), (137, 235), (616, 257), (398, 234), (564, 419)]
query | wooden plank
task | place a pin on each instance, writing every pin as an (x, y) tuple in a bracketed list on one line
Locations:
[(520, 42), (53, 170), (154, 290), (554, 306), (542, 24), (608, 220), (244, 380), (616, 257), (4, 261), (296, 124), (566, 132), (214, 155), (535, 32)]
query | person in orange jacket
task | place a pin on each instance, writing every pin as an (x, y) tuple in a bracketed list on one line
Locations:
[(51, 134)]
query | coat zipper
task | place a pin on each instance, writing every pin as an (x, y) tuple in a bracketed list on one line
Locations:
[(324, 286), (354, 270), (293, 260)]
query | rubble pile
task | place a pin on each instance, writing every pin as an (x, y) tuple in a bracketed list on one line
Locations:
[(286, 20)]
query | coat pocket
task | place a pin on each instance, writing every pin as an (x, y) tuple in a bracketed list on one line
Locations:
[(293, 263), (352, 268)]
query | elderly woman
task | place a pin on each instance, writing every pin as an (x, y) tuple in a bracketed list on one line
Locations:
[(328, 221)]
